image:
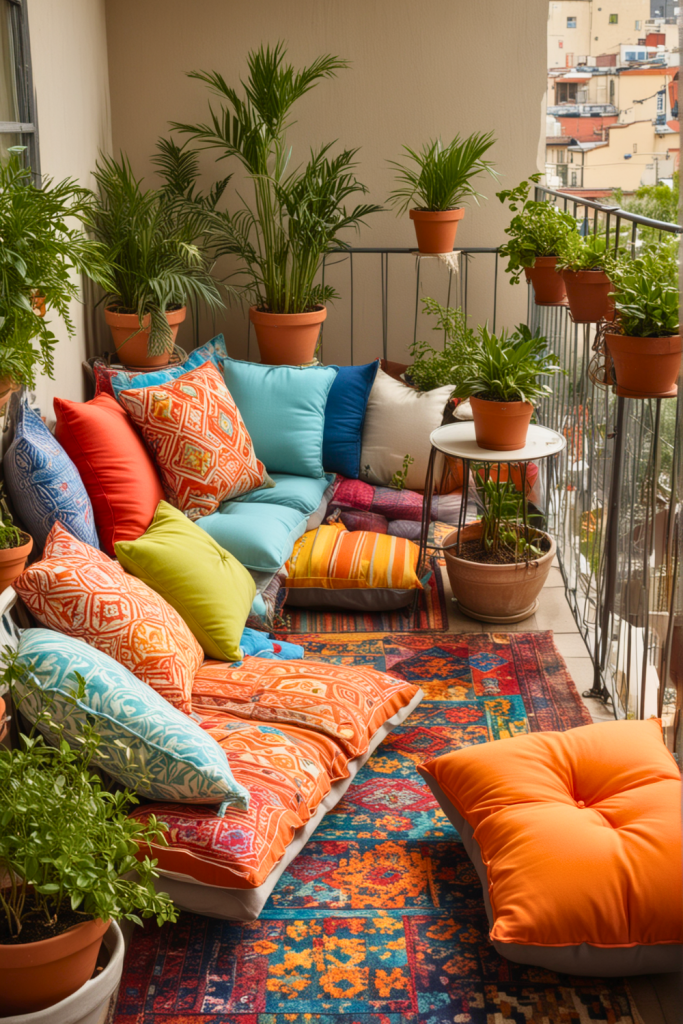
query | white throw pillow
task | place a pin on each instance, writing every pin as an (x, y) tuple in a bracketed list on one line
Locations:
[(463, 411), (398, 422)]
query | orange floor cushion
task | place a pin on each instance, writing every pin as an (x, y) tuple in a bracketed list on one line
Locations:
[(577, 840)]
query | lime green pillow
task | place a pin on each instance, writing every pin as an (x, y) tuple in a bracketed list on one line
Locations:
[(206, 585)]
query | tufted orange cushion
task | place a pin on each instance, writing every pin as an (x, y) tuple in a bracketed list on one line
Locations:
[(579, 833)]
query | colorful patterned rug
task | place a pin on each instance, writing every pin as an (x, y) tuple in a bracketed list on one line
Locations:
[(380, 919)]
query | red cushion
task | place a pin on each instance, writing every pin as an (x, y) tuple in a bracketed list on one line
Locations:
[(116, 469)]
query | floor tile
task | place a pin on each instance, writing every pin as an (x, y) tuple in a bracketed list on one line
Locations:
[(554, 613), (571, 645)]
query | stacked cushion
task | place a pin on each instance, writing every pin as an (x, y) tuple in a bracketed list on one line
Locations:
[(260, 536), (344, 417), (301, 493), (44, 483)]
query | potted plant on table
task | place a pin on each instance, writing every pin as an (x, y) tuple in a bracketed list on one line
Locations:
[(297, 215), (437, 185), (502, 381), (581, 262), (538, 232)]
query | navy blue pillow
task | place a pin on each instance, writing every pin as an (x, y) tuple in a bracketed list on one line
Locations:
[(344, 415)]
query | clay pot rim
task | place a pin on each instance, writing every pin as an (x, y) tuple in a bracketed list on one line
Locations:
[(586, 276), (454, 213), (28, 543), (475, 530), (543, 261), (638, 340), (518, 406), (313, 316), (75, 938), (131, 319)]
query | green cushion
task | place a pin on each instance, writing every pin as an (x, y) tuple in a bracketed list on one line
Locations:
[(205, 583)]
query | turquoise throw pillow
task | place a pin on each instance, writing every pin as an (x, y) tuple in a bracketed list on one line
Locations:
[(302, 493), (283, 408), (261, 537), (213, 351), (146, 743)]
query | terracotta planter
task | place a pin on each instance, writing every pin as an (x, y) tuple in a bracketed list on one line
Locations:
[(549, 289), (645, 367), (496, 593), (4, 724), (501, 426), (13, 561), (588, 295), (36, 975), (7, 388), (436, 229), (131, 343), (287, 339)]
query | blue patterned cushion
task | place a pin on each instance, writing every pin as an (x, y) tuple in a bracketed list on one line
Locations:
[(213, 351), (145, 743), (44, 484)]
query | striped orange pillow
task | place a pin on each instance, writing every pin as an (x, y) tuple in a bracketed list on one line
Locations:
[(334, 558)]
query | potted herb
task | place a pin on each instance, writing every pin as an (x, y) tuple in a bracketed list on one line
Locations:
[(645, 343), (502, 561), (39, 258), (502, 381), (436, 183), (297, 215), (537, 233), (15, 546), (581, 262), (158, 267), (434, 368), (70, 866)]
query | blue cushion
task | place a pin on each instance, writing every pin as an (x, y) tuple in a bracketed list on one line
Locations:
[(261, 537), (344, 415), (176, 759), (256, 644), (283, 408), (302, 493), (44, 484), (213, 351)]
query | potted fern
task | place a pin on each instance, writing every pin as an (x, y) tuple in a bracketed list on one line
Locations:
[(297, 215), (435, 183), (434, 368), (581, 261)]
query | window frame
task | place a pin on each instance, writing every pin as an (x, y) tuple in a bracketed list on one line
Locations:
[(612, 19), (27, 127), (571, 18)]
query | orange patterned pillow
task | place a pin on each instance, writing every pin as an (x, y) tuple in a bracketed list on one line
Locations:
[(79, 591), (195, 434)]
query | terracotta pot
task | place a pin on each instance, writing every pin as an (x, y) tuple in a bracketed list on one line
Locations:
[(645, 367), (287, 339), (501, 426), (435, 230), (4, 724), (549, 289), (13, 561), (588, 295), (38, 302), (131, 343), (35, 975), (7, 387), (496, 593)]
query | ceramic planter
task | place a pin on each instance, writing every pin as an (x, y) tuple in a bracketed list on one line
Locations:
[(501, 426), (549, 289), (435, 230), (88, 1004), (588, 295), (13, 561), (287, 339), (645, 367), (4, 724), (496, 593), (131, 343)]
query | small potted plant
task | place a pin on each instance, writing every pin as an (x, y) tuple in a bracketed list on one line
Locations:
[(437, 185), (502, 561), (644, 341), (158, 267), (435, 368), (502, 381), (70, 868), (537, 233), (15, 546), (581, 262)]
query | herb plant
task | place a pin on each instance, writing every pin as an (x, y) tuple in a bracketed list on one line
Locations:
[(398, 480), (441, 177), (434, 368), (579, 253), (537, 229), (507, 367), (502, 519), (297, 215), (646, 297)]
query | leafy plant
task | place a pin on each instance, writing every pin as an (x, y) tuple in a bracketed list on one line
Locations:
[(502, 519), (658, 202), (150, 238), (646, 297), (507, 367), (579, 253), (40, 254), (434, 368), (537, 229), (442, 176), (66, 843), (398, 480), (297, 215)]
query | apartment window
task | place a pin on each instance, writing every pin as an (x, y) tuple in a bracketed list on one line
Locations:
[(614, 19), (611, 90), (638, 26), (17, 116), (571, 22), (574, 178), (571, 157)]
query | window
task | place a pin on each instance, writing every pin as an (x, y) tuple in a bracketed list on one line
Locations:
[(574, 178), (614, 19), (560, 43), (571, 22), (571, 157), (17, 120), (635, 147), (611, 90), (638, 25)]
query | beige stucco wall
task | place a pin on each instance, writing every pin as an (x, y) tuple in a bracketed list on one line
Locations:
[(593, 34), (69, 54), (412, 77), (605, 167)]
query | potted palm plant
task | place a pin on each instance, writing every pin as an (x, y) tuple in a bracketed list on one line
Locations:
[(39, 258), (581, 261), (436, 182), (157, 264), (297, 215), (70, 868), (502, 381), (644, 341), (537, 233)]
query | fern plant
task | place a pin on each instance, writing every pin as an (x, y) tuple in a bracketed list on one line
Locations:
[(435, 368), (441, 177), (508, 367)]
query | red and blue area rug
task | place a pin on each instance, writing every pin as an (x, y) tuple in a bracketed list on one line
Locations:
[(380, 920)]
